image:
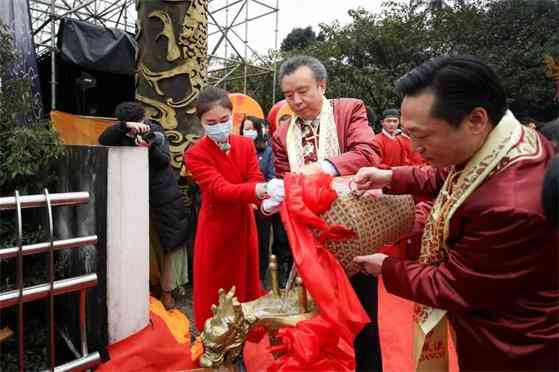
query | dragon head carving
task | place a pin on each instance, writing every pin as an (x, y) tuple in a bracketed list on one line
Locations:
[(224, 333)]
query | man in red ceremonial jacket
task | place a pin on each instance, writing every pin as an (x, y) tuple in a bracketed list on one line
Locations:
[(392, 148), (489, 259), (331, 136), (328, 135)]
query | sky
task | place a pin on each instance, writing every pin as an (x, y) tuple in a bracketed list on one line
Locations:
[(303, 13), (293, 13)]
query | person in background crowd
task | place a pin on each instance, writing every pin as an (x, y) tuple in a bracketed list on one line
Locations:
[(169, 227), (392, 149), (254, 128), (284, 120), (332, 136)]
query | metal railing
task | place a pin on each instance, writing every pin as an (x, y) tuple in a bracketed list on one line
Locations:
[(53, 287)]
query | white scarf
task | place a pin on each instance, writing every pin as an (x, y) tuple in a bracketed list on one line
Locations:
[(328, 145)]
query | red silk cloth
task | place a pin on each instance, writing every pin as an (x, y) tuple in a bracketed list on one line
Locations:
[(312, 345), (315, 344)]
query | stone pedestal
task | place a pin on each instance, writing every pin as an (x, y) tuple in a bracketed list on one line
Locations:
[(118, 213), (127, 242)]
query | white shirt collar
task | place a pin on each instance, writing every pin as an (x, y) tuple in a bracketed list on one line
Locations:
[(392, 137)]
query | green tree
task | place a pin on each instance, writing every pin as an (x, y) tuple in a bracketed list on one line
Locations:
[(298, 38), (513, 36), (366, 56), (26, 148)]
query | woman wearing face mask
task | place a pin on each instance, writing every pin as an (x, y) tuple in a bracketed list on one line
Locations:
[(254, 128), (226, 244)]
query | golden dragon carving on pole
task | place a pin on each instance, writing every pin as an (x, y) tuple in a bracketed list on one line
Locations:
[(172, 66)]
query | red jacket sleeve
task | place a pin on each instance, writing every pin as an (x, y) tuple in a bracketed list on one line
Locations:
[(417, 180), (358, 150), (499, 255), (281, 161), (218, 189)]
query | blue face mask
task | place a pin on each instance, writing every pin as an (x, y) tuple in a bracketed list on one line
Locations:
[(250, 133), (219, 132)]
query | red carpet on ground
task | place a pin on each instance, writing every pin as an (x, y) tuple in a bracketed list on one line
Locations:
[(164, 345), (396, 333)]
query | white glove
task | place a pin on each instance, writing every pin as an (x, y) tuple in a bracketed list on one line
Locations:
[(270, 206), (276, 190)]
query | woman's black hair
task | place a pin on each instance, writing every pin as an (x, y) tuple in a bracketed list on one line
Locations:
[(210, 97)]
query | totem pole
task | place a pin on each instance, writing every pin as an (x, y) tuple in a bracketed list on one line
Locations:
[(172, 61)]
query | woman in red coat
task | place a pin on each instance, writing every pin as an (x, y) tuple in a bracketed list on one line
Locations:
[(226, 169)]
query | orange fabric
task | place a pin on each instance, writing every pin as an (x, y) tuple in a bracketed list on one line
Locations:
[(79, 130), (164, 345), (196, 350), (244, 106), (284, 110), (174, 319)]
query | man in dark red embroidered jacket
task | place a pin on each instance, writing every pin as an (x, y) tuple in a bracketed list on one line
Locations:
[(489, 259)]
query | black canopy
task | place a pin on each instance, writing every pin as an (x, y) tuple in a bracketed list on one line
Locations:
[(97, 48)]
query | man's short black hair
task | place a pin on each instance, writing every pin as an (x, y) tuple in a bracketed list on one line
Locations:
[(291, 64), (130, 111), (391, 112), (550, 192), (459, 84)]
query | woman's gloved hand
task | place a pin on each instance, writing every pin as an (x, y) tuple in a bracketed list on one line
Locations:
[(276, 189)]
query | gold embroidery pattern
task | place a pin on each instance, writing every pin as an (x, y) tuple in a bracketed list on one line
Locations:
[(433, 245), (376, 221)]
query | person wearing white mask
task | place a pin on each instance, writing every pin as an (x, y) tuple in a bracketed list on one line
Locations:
[(226, 244), (255, 129)]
